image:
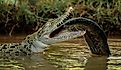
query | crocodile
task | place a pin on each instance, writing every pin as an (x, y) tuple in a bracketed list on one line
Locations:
[(57, 30), (39, 40)]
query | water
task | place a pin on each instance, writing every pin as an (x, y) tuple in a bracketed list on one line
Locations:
[(71, 55), (34, 62)]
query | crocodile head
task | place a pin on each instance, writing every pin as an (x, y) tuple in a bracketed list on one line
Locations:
[(53, 24), (47, 36)]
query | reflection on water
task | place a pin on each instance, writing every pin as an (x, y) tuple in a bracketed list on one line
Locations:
[(34, 62), (96, 63), (75, 55), (64, 56), (38, 63)]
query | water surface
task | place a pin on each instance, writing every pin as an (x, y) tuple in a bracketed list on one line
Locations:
[(71, 55)]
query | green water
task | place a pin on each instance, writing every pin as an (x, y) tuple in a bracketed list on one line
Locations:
[(34, 62), (70, 55)]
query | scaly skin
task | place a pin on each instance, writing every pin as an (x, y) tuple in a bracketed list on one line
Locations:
[(40, 39), (56, 31), (94, 36)]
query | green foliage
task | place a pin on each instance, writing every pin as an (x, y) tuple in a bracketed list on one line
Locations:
[(105, 12), (52, 8), (20, 13), (16, 14)]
